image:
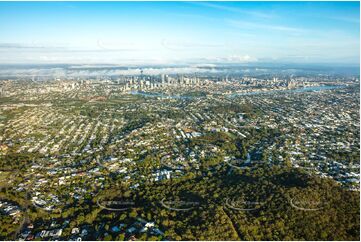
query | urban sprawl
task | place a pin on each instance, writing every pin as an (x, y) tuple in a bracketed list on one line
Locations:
[(75, 152)]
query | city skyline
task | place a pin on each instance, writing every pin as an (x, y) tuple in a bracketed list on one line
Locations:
[(179, 32), (180, 121)]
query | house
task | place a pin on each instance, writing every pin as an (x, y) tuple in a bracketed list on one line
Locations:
[(135, 185), (131, 230), (115, 229), (44, 234), (147, 226), (25, 234), (84, 233), (156, 231), (75, 231), (30, 237)]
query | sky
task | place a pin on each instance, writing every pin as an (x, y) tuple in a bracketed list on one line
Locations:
[(179, 32)]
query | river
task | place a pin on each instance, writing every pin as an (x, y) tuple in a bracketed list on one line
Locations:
[(297, 90)]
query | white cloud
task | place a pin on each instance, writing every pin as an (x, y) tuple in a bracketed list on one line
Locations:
[(233, 59), (252, 25), (181, 44), (257, 14)]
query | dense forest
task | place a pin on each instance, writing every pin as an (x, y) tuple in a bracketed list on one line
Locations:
[(266, 204), (219, 203)]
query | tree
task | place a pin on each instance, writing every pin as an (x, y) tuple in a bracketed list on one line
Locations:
[(133, 213), (120, 237), (108, 237)]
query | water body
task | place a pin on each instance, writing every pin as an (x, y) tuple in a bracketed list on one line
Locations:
[(297, 90), (156, 94)]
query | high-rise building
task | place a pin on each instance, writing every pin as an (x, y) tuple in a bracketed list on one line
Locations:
[(162, 78)]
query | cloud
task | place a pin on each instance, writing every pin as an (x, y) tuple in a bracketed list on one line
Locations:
[(236, 58), (117, 46), (233, 59), (19, 46), (257, 14), (85, 71), (39, 48), (346, 19), (181, 45), (251, 25)]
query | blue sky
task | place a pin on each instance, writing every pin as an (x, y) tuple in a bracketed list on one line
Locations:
[(178, 32)]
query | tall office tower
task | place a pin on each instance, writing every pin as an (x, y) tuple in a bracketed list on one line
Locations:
[(197, 80), (162, 78), (141, 75)]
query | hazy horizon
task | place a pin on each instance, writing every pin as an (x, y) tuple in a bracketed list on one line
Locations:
[(140, 33)]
